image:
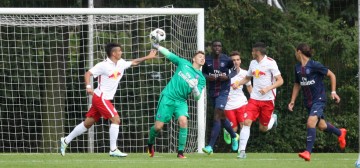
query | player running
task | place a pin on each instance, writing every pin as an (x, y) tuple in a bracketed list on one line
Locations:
[(266, 78), (236, 103), (109, 72), (187, 79), (309, 75)]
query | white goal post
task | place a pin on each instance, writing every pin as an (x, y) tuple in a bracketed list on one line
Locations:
[(44, 53)]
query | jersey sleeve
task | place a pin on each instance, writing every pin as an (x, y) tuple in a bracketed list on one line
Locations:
[(125, 64), (97, 70), (320, 68), (297, 78), (274, 69), (172, 57), (201, 83)]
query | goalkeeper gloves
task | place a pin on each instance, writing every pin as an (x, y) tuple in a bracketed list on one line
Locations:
[(155, 45), (192, 83)]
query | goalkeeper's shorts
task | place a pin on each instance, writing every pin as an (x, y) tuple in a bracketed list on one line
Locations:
[(168, 107)]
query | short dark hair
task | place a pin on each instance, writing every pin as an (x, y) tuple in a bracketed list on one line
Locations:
[(305, 49), (215, 41), (199, 52), (109, 48), (233, 53), (260, 46)]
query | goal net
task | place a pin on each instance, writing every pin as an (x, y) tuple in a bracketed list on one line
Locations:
[(44, 54)]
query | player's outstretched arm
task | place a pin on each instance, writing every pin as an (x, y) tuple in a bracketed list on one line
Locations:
[(168, 54), (152, 54), (242, 82)]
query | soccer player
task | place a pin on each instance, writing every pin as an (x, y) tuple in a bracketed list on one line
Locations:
[(109, 72), (216, 70), (187, 79), (309, 75), (266, 78), (236, 103)]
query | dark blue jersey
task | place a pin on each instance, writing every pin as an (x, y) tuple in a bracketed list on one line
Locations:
[(310, 79), (217, 67)]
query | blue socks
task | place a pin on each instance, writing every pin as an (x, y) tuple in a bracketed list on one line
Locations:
[(331, 129), (226, 124), (310, 139)]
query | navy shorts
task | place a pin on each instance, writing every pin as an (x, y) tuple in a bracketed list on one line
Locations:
[(317, 109), (219, 102)]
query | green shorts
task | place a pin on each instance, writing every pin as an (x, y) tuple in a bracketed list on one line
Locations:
[(168, 107)]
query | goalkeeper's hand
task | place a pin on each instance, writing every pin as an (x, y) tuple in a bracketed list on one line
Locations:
[(155, 45), (192, 83)]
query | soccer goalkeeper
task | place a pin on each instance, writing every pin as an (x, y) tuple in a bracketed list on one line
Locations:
[(187, 79)]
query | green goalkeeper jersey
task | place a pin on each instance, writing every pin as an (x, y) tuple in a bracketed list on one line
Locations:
[(178, 88)]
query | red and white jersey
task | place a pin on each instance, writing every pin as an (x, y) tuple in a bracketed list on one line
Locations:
[(237, 97), (263, 73), (109, 75)]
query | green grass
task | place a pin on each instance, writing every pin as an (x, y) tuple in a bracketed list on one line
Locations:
[(217, 160)]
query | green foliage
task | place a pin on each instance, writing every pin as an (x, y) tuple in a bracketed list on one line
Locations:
[(239, 24)]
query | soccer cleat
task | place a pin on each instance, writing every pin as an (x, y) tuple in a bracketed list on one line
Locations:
[(276, 119), (117, 153), (235, 143), (63, 146), (180, 155), (342, 138), (150, 150), (208, 150), (227, 137), (305, 155), (241, 154)]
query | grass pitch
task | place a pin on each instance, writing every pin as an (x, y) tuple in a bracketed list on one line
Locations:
[(165, 160)]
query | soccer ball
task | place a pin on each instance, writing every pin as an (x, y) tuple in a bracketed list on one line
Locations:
[(157, 35), (357, 164)]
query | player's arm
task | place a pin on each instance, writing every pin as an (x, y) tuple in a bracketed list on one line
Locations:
[(332, 77), (169, 55), (278, 82), (197, 90), (242, 82), (295, 93), (87, 77), (151, 55), (249, 88)]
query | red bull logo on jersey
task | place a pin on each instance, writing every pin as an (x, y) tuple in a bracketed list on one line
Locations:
[(257, 73), (115, 75)]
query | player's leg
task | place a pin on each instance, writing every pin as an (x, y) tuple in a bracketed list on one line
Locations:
[(315, 113), (78, 130), (163, 115), (215, 127), (182, 136), (221, 102), (251, 114), (231, 116), (340, 133), (92, 116), (266, 117), (181, 114), (239, 114)]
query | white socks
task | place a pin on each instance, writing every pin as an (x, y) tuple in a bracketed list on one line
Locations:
[(78, 130), (244, 137), (114, 132), (271, 123)]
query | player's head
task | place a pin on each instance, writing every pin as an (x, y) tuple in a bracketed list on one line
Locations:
[(259, 48), (216, 47), (236, 58), (198, 59), (303, 50), (113, 50)]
